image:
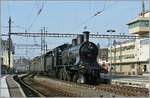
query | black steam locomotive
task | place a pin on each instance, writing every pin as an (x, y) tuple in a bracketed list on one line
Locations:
[(72, 62)]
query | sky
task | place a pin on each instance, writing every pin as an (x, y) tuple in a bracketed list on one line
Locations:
[(67, 17)]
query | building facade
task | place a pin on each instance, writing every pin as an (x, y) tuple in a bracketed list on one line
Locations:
[(131, 57), (21, 64), (4, 53), (140, 25), (102, 56)]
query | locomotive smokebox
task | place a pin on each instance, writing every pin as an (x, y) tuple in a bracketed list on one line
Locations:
[(74, 42), (80, 38), (86, 36)]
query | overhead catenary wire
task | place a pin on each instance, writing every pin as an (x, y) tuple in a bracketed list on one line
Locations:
[(30, 26), (11, 27), (37, 15), (14, 26), (18, 26), (95, 14)]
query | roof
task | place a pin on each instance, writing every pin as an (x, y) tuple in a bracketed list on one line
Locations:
[(137, 19), (140, 18)]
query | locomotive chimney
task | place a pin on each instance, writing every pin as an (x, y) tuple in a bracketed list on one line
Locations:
[(86, 36), (80, 38), (74, 42)]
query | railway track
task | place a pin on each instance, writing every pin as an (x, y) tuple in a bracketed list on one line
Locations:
[(34, 89), (126, 91), (115, 90), (29, 91)]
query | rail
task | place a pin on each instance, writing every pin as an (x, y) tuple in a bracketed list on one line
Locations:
[(30, 92)]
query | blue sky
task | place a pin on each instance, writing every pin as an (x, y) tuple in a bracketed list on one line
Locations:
[(68, 17)]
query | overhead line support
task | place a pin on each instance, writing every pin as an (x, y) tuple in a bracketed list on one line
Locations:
[(9, 43), (74, 35)]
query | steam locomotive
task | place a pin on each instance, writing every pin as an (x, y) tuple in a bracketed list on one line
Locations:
[(72, 62)]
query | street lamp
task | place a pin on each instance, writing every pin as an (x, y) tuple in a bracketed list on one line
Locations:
[(110, 44)]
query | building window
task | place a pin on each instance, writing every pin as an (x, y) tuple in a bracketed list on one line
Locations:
[(133, 73), (132, 66), (145, 68), (144, 42), (129, 56), (140, 23), (133, 25), (144, 23), (2, 61)]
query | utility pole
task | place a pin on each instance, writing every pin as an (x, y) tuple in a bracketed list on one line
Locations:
[(41, 44), (9, 43), (110, 44), (26, 45), (44, 31), (43, 40), (143, 8)]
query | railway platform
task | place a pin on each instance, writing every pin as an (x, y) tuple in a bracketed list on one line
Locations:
[(134, 81), (10, 88)]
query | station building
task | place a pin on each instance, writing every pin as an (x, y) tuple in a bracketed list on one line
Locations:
[(21, 64), (131, 57), (4, 55), (103, 55)]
